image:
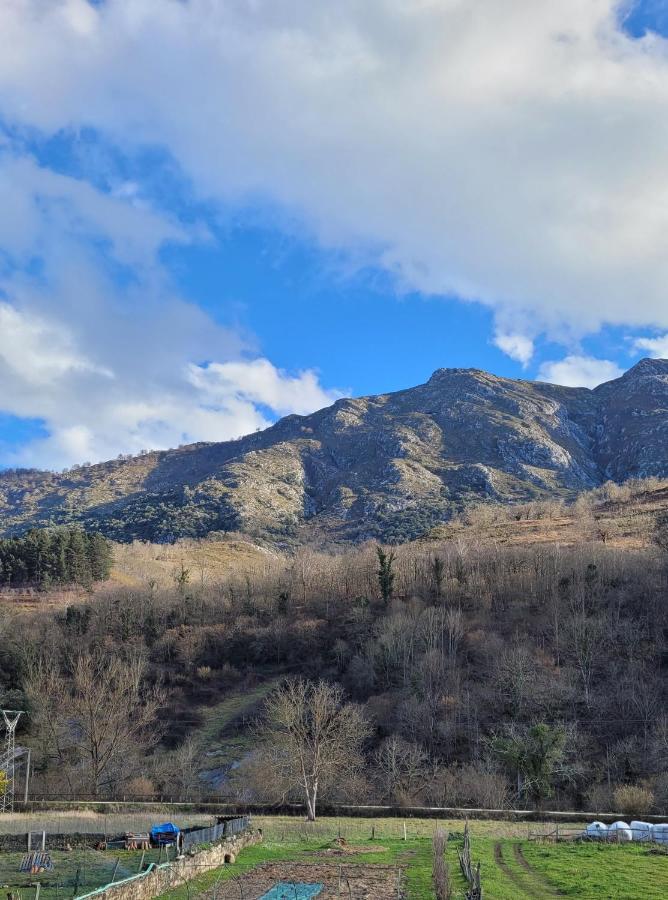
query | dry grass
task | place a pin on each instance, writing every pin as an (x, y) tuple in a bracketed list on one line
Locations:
[(209, 562)]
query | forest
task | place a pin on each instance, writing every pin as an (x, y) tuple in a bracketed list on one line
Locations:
[(472, 664), (46, 557)]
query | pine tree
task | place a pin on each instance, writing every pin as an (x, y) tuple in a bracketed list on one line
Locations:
[(385, 573)]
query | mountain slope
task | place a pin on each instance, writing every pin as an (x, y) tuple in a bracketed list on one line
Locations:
[(387, 466)]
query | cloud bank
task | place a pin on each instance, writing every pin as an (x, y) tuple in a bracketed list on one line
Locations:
[(514, 154)]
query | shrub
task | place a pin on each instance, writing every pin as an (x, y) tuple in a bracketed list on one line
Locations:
[(598, 798), (440, 872), (633, 800), (139, 787)]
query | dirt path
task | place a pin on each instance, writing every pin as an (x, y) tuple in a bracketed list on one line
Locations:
[(539, 882), (527, 890)]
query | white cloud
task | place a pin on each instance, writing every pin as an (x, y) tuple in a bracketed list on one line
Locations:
[(514, 153), (108, 365), (38, 352), (517, 346), (260, 382), (579, 371), (656, 347)]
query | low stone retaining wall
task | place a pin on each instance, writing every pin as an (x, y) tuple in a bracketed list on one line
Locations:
[(159, 879), (18, 842)]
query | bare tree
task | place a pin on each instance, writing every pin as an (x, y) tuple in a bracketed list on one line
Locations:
[(313, 736), (402, 769), (96, 716)]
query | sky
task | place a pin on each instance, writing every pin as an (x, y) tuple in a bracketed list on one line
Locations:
[(214, 215)]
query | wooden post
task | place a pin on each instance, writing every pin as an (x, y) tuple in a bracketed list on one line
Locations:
[(76, 882), (405, 835)]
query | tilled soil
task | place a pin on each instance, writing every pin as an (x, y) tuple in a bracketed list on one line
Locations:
[(359, 882)]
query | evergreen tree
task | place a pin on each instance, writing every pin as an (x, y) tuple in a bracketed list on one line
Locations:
[(48, 556), (385, 573)]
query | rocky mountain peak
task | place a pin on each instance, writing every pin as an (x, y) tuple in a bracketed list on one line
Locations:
[(384, 467), (647, 367)]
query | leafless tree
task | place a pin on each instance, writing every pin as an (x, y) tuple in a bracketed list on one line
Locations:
[(402, 769), (97, 716), (313, 736)]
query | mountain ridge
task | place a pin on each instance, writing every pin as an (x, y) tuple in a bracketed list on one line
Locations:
[(386, 466)]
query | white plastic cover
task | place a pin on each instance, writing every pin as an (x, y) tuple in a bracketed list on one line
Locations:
[(596, 831), (620, 832), (641, 831), (660, 833)]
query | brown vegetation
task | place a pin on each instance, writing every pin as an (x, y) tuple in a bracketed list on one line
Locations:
[(478, 634)]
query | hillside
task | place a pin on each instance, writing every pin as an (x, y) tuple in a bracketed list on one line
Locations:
[(390, 466), (630, 517)]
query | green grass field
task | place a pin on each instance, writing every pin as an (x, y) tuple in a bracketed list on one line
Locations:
[(513, 868)]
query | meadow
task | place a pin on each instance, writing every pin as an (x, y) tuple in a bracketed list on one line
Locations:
[(512, 866)]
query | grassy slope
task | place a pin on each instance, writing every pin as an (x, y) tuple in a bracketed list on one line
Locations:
[(629, 524), (219, 739)]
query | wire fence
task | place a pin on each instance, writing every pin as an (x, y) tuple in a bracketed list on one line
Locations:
[(55, 870), (63, 875), (91, 822), (222, 829), (282, 829)]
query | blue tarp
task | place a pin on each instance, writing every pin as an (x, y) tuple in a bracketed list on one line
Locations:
[(165, 833), (292, 890)]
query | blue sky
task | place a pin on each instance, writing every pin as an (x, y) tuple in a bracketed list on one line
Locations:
[(200, 235)]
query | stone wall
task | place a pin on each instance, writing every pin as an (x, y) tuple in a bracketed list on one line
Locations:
[(159, 879), (16, 842)]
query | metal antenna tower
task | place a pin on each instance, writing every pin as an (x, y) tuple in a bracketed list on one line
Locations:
[(8, 758)]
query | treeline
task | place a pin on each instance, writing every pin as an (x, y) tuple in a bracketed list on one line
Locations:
[(46, 557)]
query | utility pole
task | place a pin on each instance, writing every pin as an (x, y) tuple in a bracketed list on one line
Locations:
[(8, 758)]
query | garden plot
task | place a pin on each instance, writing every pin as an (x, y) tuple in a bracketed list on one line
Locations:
[(322, 880)]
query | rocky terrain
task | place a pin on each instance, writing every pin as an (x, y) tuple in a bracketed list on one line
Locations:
[(390, 466)]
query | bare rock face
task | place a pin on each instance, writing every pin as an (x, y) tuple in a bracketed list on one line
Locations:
[(387, 467)]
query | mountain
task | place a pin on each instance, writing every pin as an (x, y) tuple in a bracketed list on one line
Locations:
[(388, 466)]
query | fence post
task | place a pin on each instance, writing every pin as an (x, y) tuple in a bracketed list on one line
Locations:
[(76, 882)]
